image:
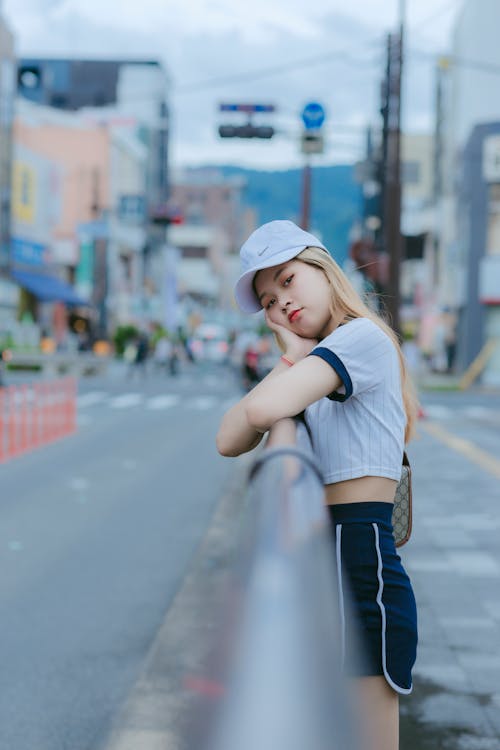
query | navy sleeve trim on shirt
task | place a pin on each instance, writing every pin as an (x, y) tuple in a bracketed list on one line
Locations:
[(338, 366)]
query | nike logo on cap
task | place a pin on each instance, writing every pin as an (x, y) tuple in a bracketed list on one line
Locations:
[(260, 252)]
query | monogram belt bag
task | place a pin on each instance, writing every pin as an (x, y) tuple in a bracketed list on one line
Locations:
[(401, 513)]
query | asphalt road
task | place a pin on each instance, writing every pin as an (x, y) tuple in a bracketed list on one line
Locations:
[(96, 533)]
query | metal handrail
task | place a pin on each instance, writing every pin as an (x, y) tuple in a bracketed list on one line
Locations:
[(286, 690)]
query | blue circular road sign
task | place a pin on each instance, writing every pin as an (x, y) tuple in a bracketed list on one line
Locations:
[(313, 115)]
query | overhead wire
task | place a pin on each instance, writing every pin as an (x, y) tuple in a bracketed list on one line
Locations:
[(312, 61), (454, 5), (274, 70)]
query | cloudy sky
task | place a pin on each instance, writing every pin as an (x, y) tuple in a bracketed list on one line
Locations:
[(284, 52)]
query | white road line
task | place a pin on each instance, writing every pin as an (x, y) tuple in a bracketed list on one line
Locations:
[(202, 403), (162, 402), (439, 411), (91, 398), (436, 411), (479, 412), (126, 400)]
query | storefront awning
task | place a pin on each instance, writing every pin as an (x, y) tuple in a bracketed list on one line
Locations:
[(48, 288)]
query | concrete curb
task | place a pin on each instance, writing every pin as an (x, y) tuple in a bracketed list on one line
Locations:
[(158, 709)]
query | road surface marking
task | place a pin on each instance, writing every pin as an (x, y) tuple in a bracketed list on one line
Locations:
[(436, 411), (126, 400), (201, 402), (162, 402), (479, 412), (465, 447), (439, 411), (89, 399)]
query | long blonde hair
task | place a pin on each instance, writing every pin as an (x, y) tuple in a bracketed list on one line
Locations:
[(346, 300)]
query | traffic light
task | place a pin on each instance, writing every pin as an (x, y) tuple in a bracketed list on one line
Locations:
[(246, 131)]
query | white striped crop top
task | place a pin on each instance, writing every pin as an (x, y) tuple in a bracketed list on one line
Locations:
[(359, 429)]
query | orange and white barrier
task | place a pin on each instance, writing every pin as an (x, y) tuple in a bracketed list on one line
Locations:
[(36, 414)]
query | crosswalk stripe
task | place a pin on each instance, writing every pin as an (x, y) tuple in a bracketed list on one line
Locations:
[(126, 400), (201, 402), (91, 398), (204, 402), (162, 402), (479, 412), (436, 411)]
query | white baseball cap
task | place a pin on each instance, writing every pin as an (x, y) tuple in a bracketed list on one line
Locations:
[(271, 244)]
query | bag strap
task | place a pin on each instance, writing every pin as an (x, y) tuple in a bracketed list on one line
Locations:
[(406, 460)]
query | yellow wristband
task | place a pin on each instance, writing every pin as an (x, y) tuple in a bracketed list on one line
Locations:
[(287, 361)]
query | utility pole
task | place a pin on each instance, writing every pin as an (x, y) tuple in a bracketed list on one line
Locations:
[(392, 198), (313, 116), (305, 213)]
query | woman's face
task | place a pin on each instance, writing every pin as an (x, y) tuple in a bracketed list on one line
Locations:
[(297, 296)]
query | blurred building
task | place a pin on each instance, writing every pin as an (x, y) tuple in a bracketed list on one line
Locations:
[(216, 223), (478, 244), (8, 290), (467, 183), (206, 196), (128, 101), (368, 251), (201, 266), (419, 306), (133, 88), (78, 214)]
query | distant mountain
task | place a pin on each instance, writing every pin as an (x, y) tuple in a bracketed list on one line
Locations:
[(335, 200)]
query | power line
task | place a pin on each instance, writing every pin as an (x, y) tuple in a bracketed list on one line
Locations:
[(308, 62), (276, 70), (323, 59), (439, 12), (340, 57), (459, 61)]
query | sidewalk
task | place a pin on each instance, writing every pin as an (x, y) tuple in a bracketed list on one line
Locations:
[(453, 559)]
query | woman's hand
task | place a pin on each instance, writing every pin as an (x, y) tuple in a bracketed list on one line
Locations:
[(295, 347)]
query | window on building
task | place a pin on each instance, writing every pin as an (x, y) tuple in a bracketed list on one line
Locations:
[(493, 228)]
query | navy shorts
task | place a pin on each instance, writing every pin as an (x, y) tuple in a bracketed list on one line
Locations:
[(380, 621)]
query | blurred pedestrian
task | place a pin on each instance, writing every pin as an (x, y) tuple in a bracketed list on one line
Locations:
[(342, 366), (250, 367), (450, 339), (174, 359), (139, 352), (162, 352)]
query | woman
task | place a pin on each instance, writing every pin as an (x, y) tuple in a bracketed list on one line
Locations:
[(341, 365)]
